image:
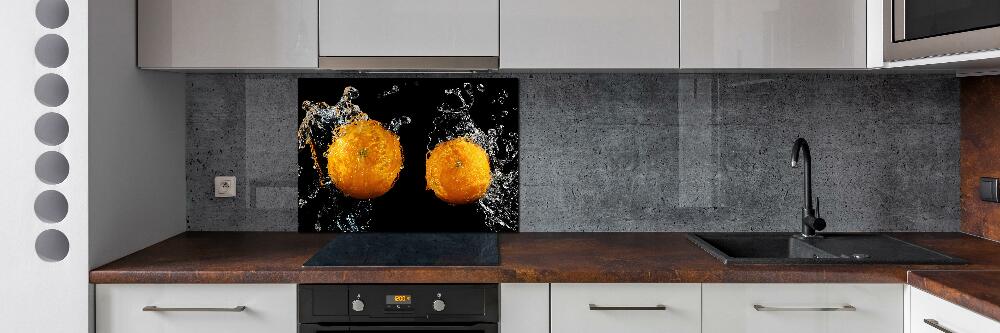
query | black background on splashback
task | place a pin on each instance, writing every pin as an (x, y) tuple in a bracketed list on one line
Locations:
[(408, 206)]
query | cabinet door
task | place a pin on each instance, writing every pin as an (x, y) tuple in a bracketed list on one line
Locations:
[(589, 34), (189, 308), (773, 34), (227, 33), (817, 308), (929, 314), (408, 28), (524, 308), (625, 307)]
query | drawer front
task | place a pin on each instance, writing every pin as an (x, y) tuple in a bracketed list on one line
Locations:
[(269, 308), (775, 308), (657, 308), (946, 315)]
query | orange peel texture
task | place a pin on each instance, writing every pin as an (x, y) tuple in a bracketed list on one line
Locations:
[(458, 171), (364, 159)]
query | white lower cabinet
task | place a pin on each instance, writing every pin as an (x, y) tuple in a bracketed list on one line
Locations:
[(816, 308), (524, 308), (569, 308), (196, 308), (930, 314), (625, 307)]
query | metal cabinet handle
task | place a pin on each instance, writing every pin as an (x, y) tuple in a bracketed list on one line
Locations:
[(594, 307), (935, 324), (848, 307), (240, 308)]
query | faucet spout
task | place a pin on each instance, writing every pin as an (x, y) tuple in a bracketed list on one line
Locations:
[(802, 146), (810, 222)]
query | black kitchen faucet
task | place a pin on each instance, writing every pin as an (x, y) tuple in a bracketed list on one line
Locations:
[(810, 221)]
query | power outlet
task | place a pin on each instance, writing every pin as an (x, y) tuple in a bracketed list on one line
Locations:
[(988, 189), (225, 187)]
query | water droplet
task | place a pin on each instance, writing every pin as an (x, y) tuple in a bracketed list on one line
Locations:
[(392, 91), (397, 123)]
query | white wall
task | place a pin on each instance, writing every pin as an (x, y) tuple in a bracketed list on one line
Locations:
[(126, 129), (137, 187), (38, 295)]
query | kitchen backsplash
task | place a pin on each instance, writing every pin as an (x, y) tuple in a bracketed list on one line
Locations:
[(637, 152), (980, 146), (408, 155)]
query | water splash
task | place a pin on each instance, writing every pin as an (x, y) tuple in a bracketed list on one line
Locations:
[(396, 124), (392, 91), (320, 123), (498, 206), (318, 129)]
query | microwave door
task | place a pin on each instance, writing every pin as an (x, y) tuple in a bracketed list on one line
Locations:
[(916, 29), (916, 19)]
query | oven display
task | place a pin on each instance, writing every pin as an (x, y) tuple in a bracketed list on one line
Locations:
[(398, 302), (398, 299)]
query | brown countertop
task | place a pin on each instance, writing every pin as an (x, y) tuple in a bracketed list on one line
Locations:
[(269, 257), (978, 291)]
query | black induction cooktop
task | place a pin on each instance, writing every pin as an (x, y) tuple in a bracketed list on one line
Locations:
[(409, 249)]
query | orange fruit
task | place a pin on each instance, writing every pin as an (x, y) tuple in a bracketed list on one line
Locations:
[(364, 159), (458, 171)]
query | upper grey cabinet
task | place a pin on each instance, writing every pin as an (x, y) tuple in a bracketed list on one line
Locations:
[(775, 34), (193, 34), (582, 34), (409, 34)]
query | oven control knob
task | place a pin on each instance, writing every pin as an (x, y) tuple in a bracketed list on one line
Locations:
[(358, 305), (438, 305)]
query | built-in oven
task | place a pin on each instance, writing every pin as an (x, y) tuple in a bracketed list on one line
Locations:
[(928, 28), (387, 308)]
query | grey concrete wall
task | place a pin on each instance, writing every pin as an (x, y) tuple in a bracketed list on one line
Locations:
[(639, 152)]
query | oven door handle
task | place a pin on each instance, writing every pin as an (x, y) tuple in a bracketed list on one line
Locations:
[(486, 328), (313, 328)]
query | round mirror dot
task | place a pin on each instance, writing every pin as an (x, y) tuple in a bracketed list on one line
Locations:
[(52, 167), (52, 13), (52, 245), (51, 206), (51, 129), (51, 90), (51, 51)]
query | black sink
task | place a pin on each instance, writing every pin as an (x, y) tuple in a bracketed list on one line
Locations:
[(786, 248)]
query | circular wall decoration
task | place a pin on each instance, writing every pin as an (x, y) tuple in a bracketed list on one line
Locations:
[(52, 167), (51, 129), (51, 51), (52, 245), (51, 206), (51, 90), (52, 13)]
